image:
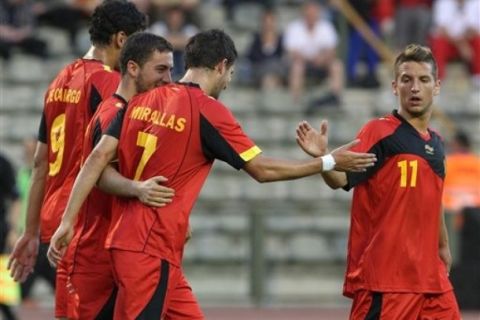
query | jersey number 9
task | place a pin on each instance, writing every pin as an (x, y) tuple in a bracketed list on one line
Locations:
[(57, 143)]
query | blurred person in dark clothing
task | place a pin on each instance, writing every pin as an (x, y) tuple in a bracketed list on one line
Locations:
[(8, 213), (17, 23), (42, 268), (375, 13), (266, 53)]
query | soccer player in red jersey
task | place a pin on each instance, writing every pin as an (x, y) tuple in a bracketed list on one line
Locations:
[(398, 255), (146, 61), (69, 104), (177, 130)]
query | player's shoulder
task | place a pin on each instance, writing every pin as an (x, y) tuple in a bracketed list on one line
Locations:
[(381, 127), (114, 102), (98, 70), (385, 122)]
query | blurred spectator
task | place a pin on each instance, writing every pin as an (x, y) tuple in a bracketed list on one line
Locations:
[(8, 215), (67, 15), (144, 6), (17, 24), (230, 6), (456, 34), (189, 8), (462, 183), (412, 22), (311, 44), (42, 267), (266, 53), (372, 13), (177, 31)]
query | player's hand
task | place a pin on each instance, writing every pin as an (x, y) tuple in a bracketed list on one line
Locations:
[(446, 257), (352, 161), (313, 142), (23, 257), (59, 243), (152, 193)]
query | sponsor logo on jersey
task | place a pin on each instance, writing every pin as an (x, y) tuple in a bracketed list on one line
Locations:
[(429, 149)]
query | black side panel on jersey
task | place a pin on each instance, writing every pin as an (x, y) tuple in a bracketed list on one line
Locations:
[(42, 130), (404, 140), (95, 100), (214, 146), (115, 127), (96, 133)]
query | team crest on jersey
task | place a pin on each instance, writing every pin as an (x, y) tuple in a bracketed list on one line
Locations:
[(429, 149)]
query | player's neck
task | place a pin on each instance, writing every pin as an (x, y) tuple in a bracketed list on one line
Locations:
[(101, 54), (420, 123), (126, 89), (201, 77)]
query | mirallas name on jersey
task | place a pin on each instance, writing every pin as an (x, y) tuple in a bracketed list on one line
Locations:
[(162, 119), (65, 95)]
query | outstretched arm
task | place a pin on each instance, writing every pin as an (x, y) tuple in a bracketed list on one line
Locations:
[(265, 169), (315, 143), (24, 254)]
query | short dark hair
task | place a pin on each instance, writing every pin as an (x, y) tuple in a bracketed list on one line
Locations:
[(208, 48), (416, 53), (113, 16), (140, 46)]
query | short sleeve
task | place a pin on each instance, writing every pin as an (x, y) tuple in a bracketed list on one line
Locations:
[(115, 127), (223, 138), (42, 130)]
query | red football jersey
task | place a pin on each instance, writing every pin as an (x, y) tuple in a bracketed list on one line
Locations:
[(394, 233), (69, 104), (176, 131), (94, 217)]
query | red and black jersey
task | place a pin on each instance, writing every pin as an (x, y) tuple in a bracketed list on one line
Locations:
[(175, 131), (70, 102), (394, 235), (94, 217)]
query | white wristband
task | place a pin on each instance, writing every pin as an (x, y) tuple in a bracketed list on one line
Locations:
[(328, 162)]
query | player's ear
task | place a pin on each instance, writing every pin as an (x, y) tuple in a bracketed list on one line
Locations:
[(394, 87), (436, 89), (119, 39), (132, 68), (222, 66)]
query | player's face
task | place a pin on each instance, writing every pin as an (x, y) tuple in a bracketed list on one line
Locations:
[(155, 72), (415, 87), (224, 80)]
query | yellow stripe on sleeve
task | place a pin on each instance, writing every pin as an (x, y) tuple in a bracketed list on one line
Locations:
[(250, 153)]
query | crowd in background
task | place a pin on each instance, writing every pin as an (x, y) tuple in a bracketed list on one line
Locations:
[(302, 51)]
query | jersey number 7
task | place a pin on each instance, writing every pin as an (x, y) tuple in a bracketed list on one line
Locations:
[(149, 143)]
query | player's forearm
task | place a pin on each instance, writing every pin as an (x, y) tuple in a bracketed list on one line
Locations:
[(111, 181), (84, 183), (264, 169), (335, 179), (35, 197)]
